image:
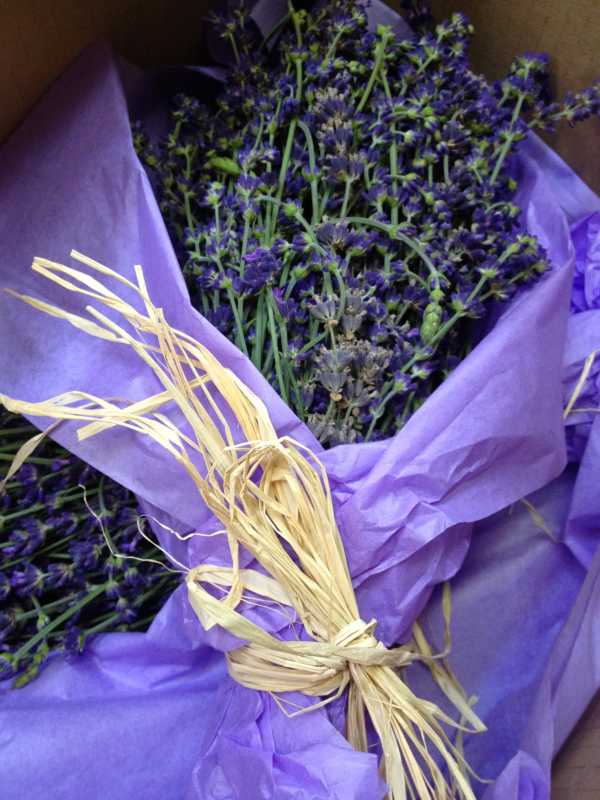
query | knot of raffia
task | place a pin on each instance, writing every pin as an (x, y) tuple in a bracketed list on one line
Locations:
[(271, 495), (273, 498), (314, 668)]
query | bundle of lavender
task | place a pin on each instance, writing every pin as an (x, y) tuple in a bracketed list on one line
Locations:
[(273, 498), (343, 218), (346, 214), (61, 579)]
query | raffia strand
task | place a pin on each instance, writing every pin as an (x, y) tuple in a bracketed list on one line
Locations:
[(273, 498)]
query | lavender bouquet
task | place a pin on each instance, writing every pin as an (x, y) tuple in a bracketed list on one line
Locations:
[(347, 213), (59, 579), (404, 505), (344, 220)]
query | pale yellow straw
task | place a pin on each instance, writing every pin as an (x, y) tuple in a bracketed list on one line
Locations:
[(272, 496)]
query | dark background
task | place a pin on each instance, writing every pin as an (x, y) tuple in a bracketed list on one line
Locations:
[(40, 38)]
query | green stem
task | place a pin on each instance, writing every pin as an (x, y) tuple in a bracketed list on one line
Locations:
[(324, 199), (28, 460), (53, 475), (45, 550), (242, 270), (198, 257), (327, 285), (102, 625), (408, 404), (508, 142), (346, 198), (445, 328), (286, 270), (399, 315), (342, 286), (56, 622), (424, 65), (235, 50), (260, 332), (244, 248), (47, 607), (387, 421), (266, 368), (346, 419), (103, 512), (15, 431), (77, 495), (285, 350), (312, 161), (101, 620), (139, 623), (331, 51), (286, 157), (313, 342), (289, 289), (275, 346), (366, 176), (296, 23), (217, 225), (38, 609), (292, 380), (329, 410), (447, 168), (300, 219), (394, 233), (192, 224), (333, 344), (23, 513), (266, 237), (290, 139), (376, 68), (239, 333), (143, 598), (379, 411), (393, 152), (259, 135)]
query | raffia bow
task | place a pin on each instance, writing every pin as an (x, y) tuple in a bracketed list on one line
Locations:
[(273, 498)]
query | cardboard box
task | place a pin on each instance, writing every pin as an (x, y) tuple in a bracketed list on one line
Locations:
[(569, 30), (39, 39)]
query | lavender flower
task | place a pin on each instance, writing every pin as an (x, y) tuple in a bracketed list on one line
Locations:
[(261, 268), (53, 558), (347, 218), (29, 582)]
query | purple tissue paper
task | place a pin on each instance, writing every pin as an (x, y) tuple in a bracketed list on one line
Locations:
[(155, 715)]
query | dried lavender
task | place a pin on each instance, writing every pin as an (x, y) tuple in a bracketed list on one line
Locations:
[(59, 583), (346, 213)]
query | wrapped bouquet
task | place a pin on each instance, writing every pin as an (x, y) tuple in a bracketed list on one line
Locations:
[(365, 337)]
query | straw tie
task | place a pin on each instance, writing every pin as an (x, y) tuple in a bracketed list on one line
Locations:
[(329, 666), (273, 498)]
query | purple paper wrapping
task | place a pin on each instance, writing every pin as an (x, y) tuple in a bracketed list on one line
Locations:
[(583, 429), (492, 433), (526, 621)]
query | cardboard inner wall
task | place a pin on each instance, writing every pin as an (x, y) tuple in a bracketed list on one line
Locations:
[(39, 39), (569, 30)]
